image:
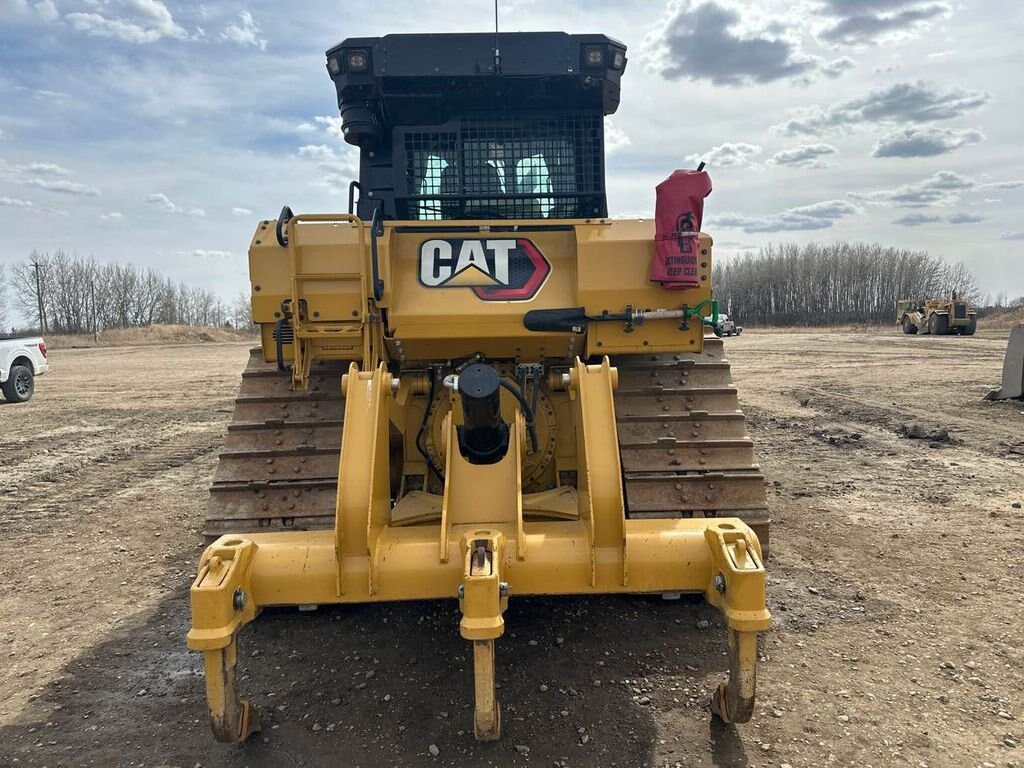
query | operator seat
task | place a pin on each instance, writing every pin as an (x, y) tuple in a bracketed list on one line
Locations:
[(484, 179)]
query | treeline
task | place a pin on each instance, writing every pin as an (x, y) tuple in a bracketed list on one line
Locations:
[(75, 295), (4, 314), (832, 284)]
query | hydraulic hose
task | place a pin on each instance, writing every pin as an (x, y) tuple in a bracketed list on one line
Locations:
[(278, 333), (423, 430), (531, 426)]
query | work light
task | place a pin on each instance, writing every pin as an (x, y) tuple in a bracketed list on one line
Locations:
[(357, 61), (593, 56)]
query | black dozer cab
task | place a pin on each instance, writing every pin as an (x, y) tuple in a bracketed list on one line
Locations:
[(478, 126)]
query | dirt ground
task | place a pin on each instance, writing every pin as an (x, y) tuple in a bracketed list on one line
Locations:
[(894, 583)]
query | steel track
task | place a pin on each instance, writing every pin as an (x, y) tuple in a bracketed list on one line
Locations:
[(684, 446)]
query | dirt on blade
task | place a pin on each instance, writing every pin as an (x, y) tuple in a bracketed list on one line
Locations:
[(894, 585)]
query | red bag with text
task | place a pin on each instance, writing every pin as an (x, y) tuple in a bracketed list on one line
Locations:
[(677, 218)]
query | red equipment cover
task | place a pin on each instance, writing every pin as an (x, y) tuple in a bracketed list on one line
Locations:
[(677, 218)]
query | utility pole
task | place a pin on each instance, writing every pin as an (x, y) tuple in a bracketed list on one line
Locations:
[(95, 325), (39, 297)]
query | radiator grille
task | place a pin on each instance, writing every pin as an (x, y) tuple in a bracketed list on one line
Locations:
[(287, 333)]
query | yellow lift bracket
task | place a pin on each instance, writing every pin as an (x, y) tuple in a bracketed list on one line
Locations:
[(488, 552)]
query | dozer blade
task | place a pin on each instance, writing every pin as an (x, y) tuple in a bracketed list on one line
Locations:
[(684, 443), (1013, 368), (279, 466)]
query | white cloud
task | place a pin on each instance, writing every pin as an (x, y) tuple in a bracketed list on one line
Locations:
[(112, 216), (727, 155), (15, 202), (13, 6), (51, 169), (943, 188), (319, 152), (1012, 236), (806, 217), (244, 32), (133, 21), (917, 219), (47, 176), (925, 141), (837, 67), (63, 187), (804, 156), (1016, 184), (726, 45), (204, 254), (28, 205), (903, 102), (331, 124), (163, 202), (336, 168), (965, 217), (47, 10), (871, 21), (44, 94), (241, 212), (614, 137)]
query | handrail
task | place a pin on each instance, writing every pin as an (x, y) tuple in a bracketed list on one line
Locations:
[(376, 229), (283, 218), (352, 187)]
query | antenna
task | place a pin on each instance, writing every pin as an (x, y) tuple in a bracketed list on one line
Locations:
[(498, 52)]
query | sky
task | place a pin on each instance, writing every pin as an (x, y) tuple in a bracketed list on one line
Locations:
[(159, 133)]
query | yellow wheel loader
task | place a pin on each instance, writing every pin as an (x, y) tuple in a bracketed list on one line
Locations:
[(476, 386)]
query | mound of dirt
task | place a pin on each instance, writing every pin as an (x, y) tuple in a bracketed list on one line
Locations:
[(150, 335), (918, 432), (1005, 319), (834, 435)]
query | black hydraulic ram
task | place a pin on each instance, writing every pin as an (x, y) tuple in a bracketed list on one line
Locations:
[(483, 437)]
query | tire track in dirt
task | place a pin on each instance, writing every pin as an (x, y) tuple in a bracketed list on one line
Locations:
[(976, 430), (61, 491)]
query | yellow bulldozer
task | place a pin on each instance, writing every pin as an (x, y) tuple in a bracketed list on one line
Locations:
[(469, 387)]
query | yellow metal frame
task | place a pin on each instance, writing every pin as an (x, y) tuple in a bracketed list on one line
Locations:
[(482, 551), (598, 264)]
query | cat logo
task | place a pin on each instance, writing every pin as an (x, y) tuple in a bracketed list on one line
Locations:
[(511, 269)]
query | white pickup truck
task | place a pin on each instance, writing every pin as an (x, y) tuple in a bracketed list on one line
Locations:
[(727, 327), (21, 360)]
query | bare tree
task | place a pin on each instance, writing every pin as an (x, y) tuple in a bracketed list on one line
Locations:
[(241, 311), (78, 295), (830, 284), (27, 282), (3, 299)]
